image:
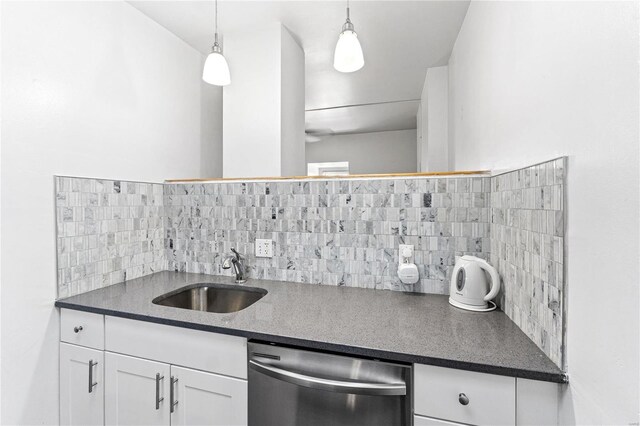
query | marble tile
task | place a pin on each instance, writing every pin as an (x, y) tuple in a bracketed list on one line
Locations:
[(334, 232), (527, 248), (349, 220), (107, 232)]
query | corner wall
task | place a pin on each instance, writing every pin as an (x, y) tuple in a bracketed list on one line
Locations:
[(263, 115), (533, 80), (433, 137), (88, 89), (210, 129), (292, 80)]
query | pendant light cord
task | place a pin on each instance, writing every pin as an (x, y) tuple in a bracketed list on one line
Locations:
[(215, 40), (348, 26)]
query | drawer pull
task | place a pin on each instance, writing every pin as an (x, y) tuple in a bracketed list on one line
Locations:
[(92, 384), (463, 399), (158, 398), (77, 329), (172, 394)]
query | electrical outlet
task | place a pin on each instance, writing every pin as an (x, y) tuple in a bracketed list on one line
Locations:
[(264, 248), (405, 252)]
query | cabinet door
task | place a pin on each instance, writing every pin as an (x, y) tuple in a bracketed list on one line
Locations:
[(426, 421), (81, 385), (207, 399), (136, 391)]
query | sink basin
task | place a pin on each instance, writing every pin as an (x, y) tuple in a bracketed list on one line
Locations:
[(209, 297)]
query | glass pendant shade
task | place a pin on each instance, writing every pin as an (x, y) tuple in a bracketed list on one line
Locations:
[(348, 56), (216, 69)]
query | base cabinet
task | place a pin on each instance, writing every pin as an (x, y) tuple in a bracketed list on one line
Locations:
[(124, 372), (139, 391), (426, 421), (208, 399), (81, 385), (117, 371), (464, 396), (445, 396), (136, 391)]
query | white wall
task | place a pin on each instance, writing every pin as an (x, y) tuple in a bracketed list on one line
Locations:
[(259, 129), (379, 152), (437, 114), (251, 103), (90, 89), (1, 79), (530, 81), (210, 129), (433, 122), (293, 90), (419, 130), (423, 128)]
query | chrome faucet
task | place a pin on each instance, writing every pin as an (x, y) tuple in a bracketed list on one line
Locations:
[(235, 261)]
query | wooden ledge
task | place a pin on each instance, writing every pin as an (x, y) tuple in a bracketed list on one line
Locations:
[(362, 176)]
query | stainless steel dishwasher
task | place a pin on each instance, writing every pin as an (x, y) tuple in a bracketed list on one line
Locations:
[(304, 388)]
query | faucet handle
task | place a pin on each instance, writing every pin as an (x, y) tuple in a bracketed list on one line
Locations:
[(238, 255)]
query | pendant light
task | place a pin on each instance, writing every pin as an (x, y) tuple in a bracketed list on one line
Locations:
[(216, 70), (348, 55)]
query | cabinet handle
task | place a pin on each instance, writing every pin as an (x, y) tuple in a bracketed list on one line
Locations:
[(158, 399), (172, 394), (463, 399), (77, 329), (92, 384)]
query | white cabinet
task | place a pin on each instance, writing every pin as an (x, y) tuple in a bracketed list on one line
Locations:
[(208, 399), (217, 353), (136, 391), (426, 421), (445, 396), (82, 328), (139, 391), (139, 373), (537, 403), (464, 396), (81, 385), (117, 371)]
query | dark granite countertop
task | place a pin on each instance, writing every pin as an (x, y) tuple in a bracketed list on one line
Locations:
[(406, 327)]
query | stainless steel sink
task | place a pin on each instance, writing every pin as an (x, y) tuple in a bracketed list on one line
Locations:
[(209, 297)]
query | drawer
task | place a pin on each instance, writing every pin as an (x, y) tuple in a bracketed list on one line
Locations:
[(491, 398), (426, 421), (202, 350), (82, 328)]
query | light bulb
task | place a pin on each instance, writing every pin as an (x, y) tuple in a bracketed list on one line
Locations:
[(348, 56), (216, 70)]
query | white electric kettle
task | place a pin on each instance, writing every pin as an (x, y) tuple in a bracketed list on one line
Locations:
[(469, 287)]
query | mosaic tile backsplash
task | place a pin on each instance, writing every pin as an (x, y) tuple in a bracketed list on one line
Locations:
[(527, 248), (107, 231), (334, 232), (338, 232)]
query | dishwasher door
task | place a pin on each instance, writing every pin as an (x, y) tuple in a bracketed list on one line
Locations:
[(290, 387)]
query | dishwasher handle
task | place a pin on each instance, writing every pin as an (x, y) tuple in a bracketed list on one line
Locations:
[(360, 388)]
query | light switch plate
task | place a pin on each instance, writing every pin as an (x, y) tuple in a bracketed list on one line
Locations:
[(264, 248)]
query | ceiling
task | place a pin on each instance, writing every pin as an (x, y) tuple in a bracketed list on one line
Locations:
[(400, 40), (378, 117)]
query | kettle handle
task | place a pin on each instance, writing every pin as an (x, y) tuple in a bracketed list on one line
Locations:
[(495, 279)]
